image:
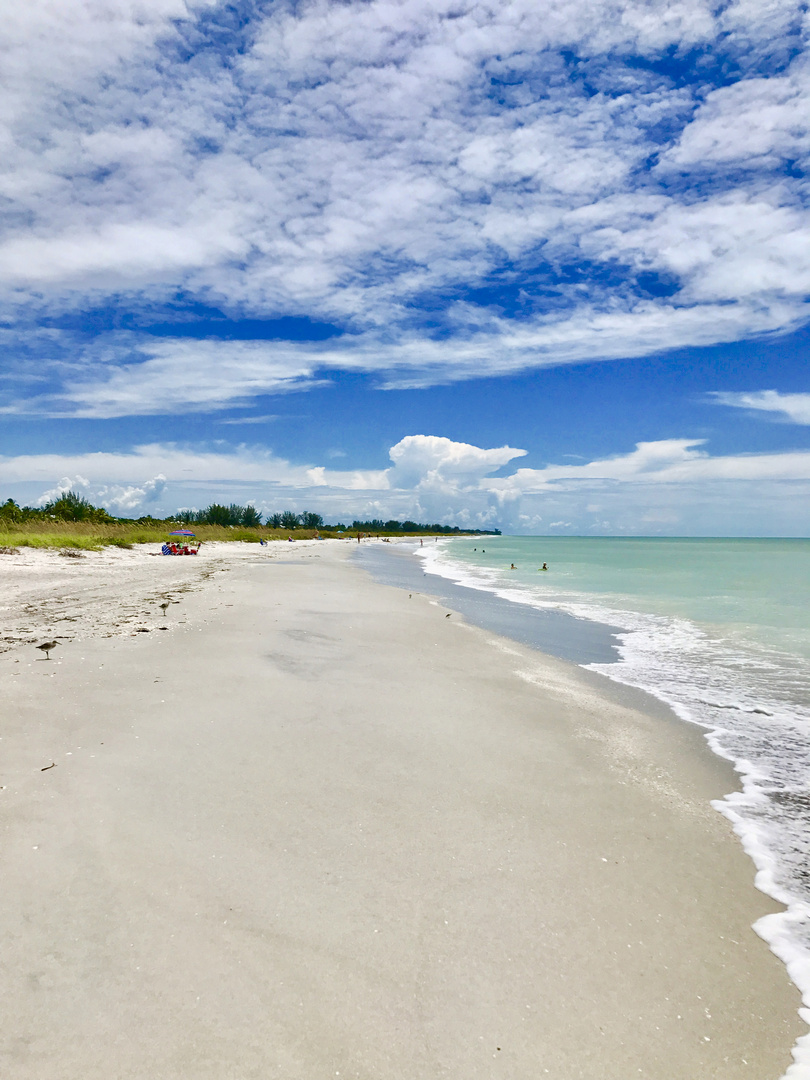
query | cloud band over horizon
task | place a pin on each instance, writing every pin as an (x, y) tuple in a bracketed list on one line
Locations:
[(651, 490)]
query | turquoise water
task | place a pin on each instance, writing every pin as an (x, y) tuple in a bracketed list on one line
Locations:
[(719, 630), (759, 588)]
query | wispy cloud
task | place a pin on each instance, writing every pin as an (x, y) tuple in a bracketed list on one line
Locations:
[(464, 188), (250, 419), (794, 408)]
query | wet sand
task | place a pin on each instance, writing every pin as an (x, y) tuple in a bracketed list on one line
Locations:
[(316, 829)]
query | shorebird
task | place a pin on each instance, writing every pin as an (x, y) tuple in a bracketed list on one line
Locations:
[(164, 607), (46, 648)]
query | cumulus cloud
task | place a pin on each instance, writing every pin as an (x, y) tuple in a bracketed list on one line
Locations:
[(673, 485), (62, 487), (381, 165), (430, 459), (127, 499), (794, 408)]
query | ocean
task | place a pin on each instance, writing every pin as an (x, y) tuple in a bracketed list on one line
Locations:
[(717, 629)]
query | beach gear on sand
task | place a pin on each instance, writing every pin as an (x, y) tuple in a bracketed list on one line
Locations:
[(172, 549)]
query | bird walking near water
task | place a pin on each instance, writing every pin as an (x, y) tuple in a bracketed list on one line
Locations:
[(164, 606), (46, 647)]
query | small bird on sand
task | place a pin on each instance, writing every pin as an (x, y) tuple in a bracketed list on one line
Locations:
[(46, 648), (449, 613), (164, 606)]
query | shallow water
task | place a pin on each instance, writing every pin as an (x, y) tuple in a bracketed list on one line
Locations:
[(720, 631)]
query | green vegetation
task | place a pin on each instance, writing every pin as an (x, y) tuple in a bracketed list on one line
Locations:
[(227, 516), (377, 526), (74, 507), (72, 522)]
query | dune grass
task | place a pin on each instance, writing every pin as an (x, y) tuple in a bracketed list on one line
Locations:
[(93, 537)]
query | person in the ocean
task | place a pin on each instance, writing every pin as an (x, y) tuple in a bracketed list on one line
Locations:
[(513, 567), (544, 566)]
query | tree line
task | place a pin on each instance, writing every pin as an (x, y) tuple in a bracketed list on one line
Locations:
[(248, 517), (71, 506), (378, 526)]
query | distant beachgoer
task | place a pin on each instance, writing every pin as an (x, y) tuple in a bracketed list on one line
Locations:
[(421, 543), (544, 566), (358, 538), (262, 542), (290, 540), (513, 567)]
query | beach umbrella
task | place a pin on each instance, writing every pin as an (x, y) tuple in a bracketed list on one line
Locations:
[(182, 532)]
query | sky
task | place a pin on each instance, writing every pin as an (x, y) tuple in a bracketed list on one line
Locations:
[(519, 264)]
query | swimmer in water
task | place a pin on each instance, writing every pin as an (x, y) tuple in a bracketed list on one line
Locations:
[(513, 567), (544, 566)]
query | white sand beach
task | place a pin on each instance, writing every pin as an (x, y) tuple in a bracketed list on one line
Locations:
[(315, 828)]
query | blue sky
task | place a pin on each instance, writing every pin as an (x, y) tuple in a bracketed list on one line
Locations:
[(540, 266)]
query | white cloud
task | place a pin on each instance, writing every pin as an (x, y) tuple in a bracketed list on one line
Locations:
[(430, 460), (172, 465), (239, 420), (129, 253), (353, 162), (794, 408), (62, 487), (672, 485), (125, 500), (664, 462), (182, 374), (756, 122), (126, 374)]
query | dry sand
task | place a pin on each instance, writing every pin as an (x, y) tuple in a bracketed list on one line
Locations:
[(317, 829)]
